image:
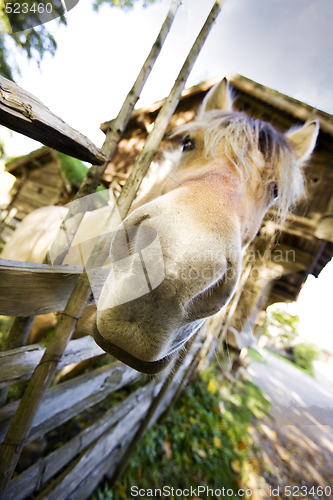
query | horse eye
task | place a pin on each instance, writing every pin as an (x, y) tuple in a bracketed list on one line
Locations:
[(274, 191), (188, 144)]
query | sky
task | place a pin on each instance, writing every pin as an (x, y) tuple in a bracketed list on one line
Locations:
[(314, 308), (286, 45), (316, 323), (282, 44)]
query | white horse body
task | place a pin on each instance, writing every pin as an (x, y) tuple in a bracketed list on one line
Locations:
[(204, 211)]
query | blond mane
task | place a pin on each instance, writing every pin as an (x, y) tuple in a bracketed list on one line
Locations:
[(256, 149)]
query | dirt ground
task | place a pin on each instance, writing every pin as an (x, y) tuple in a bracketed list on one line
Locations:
[(296, 457)]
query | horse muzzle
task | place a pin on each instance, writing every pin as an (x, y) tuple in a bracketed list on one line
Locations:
[(148, 367)]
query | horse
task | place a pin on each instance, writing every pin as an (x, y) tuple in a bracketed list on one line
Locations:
[(197, 218)]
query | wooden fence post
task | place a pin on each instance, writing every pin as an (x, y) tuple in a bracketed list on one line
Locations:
[(119, 124), (156, 135)]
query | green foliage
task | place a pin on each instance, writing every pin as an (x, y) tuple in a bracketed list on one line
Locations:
[(304, 355), (283, 319), (74, 170), (5, 324), (21, 16), (288, 361), (2, 149), (33, 42), (5, 69), (285, 322), (204, 440), (256, 356), (121, 3)]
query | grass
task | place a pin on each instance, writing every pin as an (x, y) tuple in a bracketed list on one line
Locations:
[(204, 440), (256, 356), (74, 170), (5, 323), (286, 360)]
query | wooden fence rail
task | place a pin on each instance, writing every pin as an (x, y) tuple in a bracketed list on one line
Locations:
[(39, 473), (100, 446), (28, 289), (24, 113), (65, 400), (94, 446), (17, 365), (106, 451)]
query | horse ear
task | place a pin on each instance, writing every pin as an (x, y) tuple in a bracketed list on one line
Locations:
[(219, 97), (303, 140)]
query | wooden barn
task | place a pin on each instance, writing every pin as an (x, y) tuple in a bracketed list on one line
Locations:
[(43, 177)]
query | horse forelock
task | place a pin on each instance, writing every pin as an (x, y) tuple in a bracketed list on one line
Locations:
[(258, 150)]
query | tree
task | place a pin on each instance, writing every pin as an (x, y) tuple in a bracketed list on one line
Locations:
[(21, 28), (280, 325), (25, 31), (121, 3)]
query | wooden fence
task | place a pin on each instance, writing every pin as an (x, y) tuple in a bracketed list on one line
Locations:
[(74, 469), (116, 403)]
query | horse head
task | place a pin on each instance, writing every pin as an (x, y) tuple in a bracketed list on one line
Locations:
[(176, 259)]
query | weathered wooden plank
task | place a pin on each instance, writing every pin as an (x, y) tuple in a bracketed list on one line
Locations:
[(105, 451), (39, 197), (38, 474), (48, 171), (18, 364), (32, 203), (66, 400), (89, 484), (23, 207), (24, 113), (27, 289), (35, 201), (86, 487), (51, 179), (299, 110), (96, 454), (40, 189)]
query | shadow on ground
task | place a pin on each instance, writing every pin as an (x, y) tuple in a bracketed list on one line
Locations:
[(297, 442)]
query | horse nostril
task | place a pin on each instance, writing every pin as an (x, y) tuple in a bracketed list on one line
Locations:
[(214, 297)]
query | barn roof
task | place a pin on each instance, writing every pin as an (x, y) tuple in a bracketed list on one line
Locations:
[(244, 87), (309, 231)]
